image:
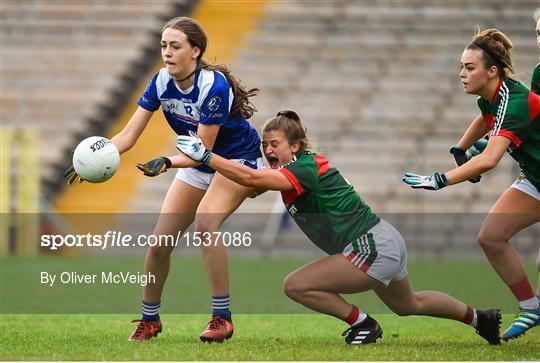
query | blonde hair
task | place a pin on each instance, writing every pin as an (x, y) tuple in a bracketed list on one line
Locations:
[(536, 15), (288, 122), (495, 47)]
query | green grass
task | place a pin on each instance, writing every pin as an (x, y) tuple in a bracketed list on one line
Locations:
[(256, 286), (268, 326), (257, 337)]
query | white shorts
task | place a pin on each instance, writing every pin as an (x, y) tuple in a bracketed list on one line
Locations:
[(523, 184), (201, 180), (380, 252)]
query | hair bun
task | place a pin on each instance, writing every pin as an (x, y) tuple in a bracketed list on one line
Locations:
[(289, 114)]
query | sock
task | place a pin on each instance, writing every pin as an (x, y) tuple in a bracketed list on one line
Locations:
[(524, 294), (221, 306), (355, 316), (150, 311), (530, 304), (471, 317)]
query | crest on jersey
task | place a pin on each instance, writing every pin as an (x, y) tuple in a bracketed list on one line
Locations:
[(214, 103)]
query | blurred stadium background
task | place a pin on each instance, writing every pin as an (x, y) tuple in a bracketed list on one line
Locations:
[(376, 82)]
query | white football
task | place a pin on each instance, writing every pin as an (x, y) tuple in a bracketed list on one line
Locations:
[(96, 159)]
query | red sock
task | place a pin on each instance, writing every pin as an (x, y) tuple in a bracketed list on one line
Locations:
[(522, 290), (353, 315), (469, 315)]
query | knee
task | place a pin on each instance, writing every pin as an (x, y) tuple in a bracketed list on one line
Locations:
[(208, 223), (292, 286), (203, 226), (402, 310), (409, 306), (159, 252), (486, 240)]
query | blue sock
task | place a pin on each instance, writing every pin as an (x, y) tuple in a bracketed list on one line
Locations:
[(150, 311), (220, 306)]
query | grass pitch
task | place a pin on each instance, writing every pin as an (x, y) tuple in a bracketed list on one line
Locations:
[(257, 337), (31, 327)]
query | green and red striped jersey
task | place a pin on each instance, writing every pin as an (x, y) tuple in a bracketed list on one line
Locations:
[(535, 81), (514, 112), (323, 203)]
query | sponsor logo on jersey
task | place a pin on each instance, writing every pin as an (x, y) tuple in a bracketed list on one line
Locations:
[(214, 103), (293, 209), (178, 106)]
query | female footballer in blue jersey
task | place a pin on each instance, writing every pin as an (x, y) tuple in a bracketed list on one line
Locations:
[(206, 99), (510, 112), (365, 251)]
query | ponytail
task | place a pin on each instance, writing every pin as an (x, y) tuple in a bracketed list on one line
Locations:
[(288, 122), (495, 47)]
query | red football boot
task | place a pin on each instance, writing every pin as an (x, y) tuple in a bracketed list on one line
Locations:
[(145, 330), (217, 330)]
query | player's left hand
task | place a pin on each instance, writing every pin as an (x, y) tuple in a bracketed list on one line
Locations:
[(193, 146), (430, 182), (155, 166), (72, 177)]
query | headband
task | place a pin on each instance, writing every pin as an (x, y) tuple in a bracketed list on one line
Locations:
[(488, 52)]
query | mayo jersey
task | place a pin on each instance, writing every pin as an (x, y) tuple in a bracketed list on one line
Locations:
[(535, 82), (207, 102), (514, 112), (323, 203)]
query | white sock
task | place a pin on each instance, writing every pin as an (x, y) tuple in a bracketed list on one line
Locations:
[(530, 304), (361, 318), (474, 321)]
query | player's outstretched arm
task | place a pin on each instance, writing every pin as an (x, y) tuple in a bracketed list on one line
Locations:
[(265, 179), (261, 179), (474, 133), (161, 164), (129, 135), (485, 161)]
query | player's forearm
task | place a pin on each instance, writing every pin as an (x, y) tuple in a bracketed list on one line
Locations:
[(122, 142), (182, 161), (129, 135), (476, 166), (476, 130), (236, 172)]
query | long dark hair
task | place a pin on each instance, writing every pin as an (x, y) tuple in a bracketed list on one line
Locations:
[(241, 106)]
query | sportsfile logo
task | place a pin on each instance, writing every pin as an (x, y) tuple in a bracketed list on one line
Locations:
[(121, 239)]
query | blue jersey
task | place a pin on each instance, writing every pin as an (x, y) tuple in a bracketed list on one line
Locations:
[(207, 102)]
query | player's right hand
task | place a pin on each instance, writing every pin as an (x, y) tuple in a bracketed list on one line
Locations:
[(193, 146), (430, 182), (71, 176), (155, 166)]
